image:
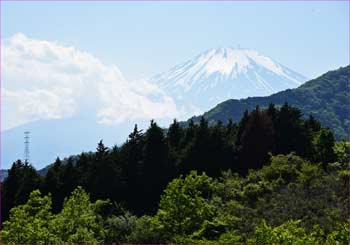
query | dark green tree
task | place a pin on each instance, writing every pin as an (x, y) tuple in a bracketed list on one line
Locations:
[(21, 181), (69, 177), (257, 140), (155, 166), (241, 127), (131, 155), (52, 183), (312, 124), (174, 135), (323, 147), (291, 134)]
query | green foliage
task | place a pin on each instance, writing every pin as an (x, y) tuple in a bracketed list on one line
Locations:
[(33, 222), (77, 222), (324, 144), (29, 223), (184, 207), (290, 232), (342, 152), (119, 228), (283, 169), (289, 201), (341, 234), (146, 230), (309, 175)]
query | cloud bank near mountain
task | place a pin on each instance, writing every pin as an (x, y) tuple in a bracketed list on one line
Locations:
[(48, 80)]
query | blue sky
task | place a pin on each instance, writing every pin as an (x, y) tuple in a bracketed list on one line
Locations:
[(144, 38)]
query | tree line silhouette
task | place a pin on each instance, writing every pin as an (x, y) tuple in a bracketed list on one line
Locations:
[(135, 173)]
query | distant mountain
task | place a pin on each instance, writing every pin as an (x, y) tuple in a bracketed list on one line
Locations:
[(326, 97), (225, 73)]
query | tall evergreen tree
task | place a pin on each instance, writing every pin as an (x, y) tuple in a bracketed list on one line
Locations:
[(69, 177), (107, 180), (291, 134), (131, 153), (155, 166), (52, 183), (174, 135), (241, 127), (272, 112), (188, 134), (101, 151), (257, 141), (84, 166)]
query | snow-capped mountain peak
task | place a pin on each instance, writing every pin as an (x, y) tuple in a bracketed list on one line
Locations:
[(224, 73)]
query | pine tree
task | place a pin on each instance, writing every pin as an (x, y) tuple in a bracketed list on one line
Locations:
[(107, 179), (69, 177), (291, 135), (257, 141), (53, 183), (155, 165), (174, 135), (101, 151), (131, 155), (241, 127)]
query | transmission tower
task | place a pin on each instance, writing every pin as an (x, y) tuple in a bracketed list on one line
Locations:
[(26, 146)]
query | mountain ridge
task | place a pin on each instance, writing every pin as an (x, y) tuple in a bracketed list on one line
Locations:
[(326, 97)]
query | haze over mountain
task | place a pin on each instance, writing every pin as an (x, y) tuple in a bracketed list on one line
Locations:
[(224, 73)]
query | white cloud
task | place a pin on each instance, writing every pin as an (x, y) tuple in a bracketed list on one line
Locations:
[(47, 80)]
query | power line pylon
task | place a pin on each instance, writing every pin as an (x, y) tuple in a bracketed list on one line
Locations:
[(26, 147)]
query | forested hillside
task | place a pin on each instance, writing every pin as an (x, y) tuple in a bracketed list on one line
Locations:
[(274, 177), (327, 98)]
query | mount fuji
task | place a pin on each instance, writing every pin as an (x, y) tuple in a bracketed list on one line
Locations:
[(224, 73)]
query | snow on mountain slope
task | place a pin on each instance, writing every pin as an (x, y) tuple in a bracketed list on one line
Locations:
[(225, 73)]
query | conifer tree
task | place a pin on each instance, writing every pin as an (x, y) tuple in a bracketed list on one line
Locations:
[(174, 135), (53, 183), (21, 181), (257, 140), (241, 127), (155, 165)]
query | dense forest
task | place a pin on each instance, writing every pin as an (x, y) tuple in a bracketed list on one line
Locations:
[(273, 177), (326, 97)]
